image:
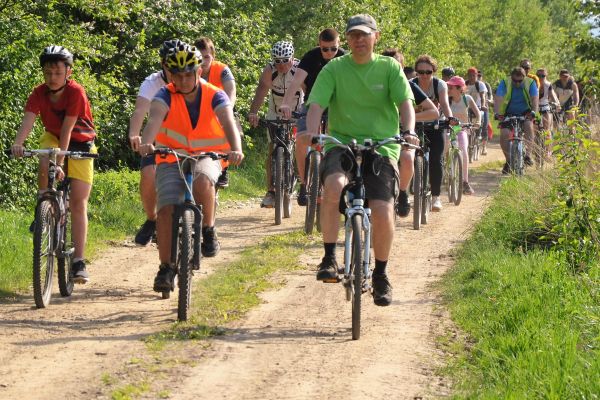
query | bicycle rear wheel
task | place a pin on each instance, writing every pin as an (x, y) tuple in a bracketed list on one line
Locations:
[(457, 172), (425, 193), (356, 274), (44, 237), (278, 184), (65, 253), (449, 177), (312, 187), (417, 192), (184, 265)]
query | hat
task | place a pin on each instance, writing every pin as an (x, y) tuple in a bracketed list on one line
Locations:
[(456, 81), (472, 69), (361, 22)]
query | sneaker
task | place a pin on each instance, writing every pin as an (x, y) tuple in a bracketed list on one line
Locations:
[(223, 180), (467, 189), (403, 204), (505, 169), (528, 160), (269, 200), (165, 278), (382, 290), (210, 244), (483, 149), (302, 196), (328, 270), (437, 204), (78, 272), (146, 232)]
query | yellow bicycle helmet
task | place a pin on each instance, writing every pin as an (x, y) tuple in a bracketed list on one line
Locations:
[(183, 58)]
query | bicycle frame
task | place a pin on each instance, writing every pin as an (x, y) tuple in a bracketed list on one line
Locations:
[(515, 142)]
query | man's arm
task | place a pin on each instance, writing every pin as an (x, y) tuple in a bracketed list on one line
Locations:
[(575, 94), (473, 107), (227, 120), (65, 135), (313, 119), (444, 103), (156, 116), (22, 133), (295, 85), (142, 106), (428, 111), (264, 84), (229, 88)]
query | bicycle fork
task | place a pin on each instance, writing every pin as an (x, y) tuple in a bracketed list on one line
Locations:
[(366, 230)]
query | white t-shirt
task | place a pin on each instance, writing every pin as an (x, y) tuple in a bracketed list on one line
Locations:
[(280, 84), (459, 109), (151, 85), (475, 89)]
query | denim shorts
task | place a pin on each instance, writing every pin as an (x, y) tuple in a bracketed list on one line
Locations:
[(145, 161)]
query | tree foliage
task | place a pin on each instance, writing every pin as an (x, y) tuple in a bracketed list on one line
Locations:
[(115, 43)]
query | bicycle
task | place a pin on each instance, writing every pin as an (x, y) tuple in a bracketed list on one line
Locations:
[(357, 239), (516, 150), (453, 164), (51, 229), (474, 147), (186, 236), (422, 198), (282, 165)]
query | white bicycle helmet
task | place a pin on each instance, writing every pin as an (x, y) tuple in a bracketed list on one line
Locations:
[(282, 49)]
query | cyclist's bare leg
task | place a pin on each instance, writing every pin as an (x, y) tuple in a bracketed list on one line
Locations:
[(406, 167), (463, 144), (504, 136), (204, 194), (382, 218), (148, 191), (302, 143), (164, 219), (268, 167), (78, 200), (330, 215)]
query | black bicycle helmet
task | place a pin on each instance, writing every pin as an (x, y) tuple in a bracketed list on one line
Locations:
[(166, 46), (56, 53), (448, 71)]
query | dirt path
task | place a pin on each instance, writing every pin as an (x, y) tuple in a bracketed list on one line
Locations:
[(295, 345)]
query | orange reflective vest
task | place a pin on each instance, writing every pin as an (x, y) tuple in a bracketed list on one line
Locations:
[(214, 75), (176, 131)]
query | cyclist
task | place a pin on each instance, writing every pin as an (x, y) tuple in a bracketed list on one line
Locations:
[(218, 74), (276, 77), (437, 91), (447, 73), (547, 97), (461, 104), (409, 72), (526, 65), (189, 115), (478, 91), (516, 95), (66, 115), (309, 67), (148, 89), (363, 92), (487, 126), (425, 110), (567, 91)]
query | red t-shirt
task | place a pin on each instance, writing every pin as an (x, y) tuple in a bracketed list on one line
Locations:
[(73, 102)]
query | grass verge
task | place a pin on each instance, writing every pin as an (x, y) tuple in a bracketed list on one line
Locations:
[(222, 297), (532, 326)]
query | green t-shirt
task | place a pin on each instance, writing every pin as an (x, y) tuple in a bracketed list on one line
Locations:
[(362, 99)]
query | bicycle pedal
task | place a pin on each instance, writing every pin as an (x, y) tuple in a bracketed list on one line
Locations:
[(332, 280)]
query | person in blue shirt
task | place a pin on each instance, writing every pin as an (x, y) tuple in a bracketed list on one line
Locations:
[(516, 95)]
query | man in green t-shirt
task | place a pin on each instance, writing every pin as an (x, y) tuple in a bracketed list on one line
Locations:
[(363, 92)]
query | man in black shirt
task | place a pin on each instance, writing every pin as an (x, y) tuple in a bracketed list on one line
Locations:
[(310, 65)]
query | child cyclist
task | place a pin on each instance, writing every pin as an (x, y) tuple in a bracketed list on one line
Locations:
[(67, 118)]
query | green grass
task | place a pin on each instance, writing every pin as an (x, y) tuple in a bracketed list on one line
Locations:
[(115, 212), (532, 326)]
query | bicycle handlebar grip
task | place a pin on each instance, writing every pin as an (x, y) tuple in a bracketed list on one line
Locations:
[(8, 152)]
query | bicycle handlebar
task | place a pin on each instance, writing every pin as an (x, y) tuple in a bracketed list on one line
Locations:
[(278, 121), (213, 155), (368, 143), (55, 151)]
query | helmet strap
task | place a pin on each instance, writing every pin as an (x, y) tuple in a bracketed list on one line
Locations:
[(59, 89)]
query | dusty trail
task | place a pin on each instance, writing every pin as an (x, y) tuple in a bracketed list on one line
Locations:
[(295, 345)]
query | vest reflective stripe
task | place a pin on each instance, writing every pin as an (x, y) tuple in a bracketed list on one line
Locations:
[(176, 131), (214, 75), (527, 82)]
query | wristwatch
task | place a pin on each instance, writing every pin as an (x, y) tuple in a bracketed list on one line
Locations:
[(408, 132)]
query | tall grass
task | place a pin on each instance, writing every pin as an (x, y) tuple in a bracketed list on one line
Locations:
[(532, 325)]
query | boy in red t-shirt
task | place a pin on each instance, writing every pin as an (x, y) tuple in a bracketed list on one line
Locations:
[(65, 112)]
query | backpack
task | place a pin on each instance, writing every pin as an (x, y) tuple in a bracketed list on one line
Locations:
[(435, 86)]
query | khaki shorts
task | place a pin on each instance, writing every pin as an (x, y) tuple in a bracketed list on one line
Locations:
[(82, 170), (170, 185), (381, 176)]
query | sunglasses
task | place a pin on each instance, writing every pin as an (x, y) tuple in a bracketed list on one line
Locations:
[(429, 72), (281, 60), (524, 67), (541, 75), (329, 49), (517, 80)]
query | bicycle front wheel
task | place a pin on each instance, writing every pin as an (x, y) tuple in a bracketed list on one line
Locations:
[(356, 274), (44, 242), (457, 172), (417, 192), (279, 156), (516, 157), (312, 187), (184, 265)]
